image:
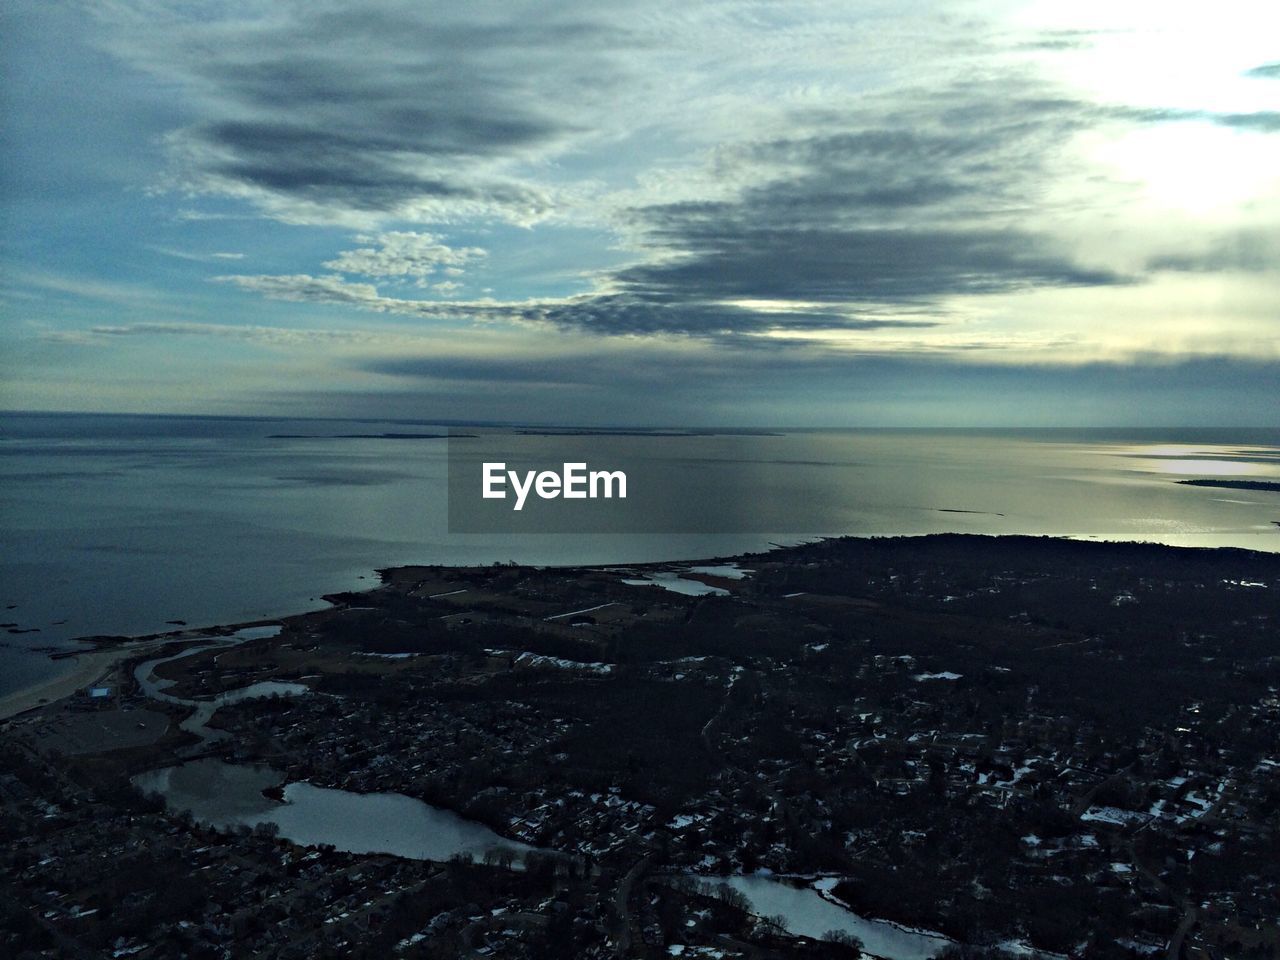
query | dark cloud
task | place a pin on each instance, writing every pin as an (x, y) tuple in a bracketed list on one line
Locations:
[(648, 313), (865, 219), (675, 310), (1266, 70), (909, 207), (317, 112), (1255, 251), (836, 212), (804, 386), (1266, 121), (877, 265)]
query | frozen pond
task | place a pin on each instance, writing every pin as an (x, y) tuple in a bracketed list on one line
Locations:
[(806, 913), (226, 795)]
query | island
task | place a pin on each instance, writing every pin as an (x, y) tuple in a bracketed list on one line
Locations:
[(1269, 485), (900, 747)]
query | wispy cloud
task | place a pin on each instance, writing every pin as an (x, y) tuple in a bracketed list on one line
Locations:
[(84, 287), (286, 337), (195, 256)]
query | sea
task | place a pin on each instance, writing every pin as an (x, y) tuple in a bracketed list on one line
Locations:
[(127, 524)]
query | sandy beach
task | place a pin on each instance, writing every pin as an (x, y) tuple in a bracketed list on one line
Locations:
[(89, 667)]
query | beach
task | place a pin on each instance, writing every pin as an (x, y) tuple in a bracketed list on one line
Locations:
[(89, 667)]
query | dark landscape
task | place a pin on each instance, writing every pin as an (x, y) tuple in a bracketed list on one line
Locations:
[(1269, 485), (1017, 744)]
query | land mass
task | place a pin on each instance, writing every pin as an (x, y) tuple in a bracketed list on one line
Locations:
[(1235, 484), (368, 436), (1011, 744)]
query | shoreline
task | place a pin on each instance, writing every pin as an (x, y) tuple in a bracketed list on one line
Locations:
[(110, 650), (105, 654), (90, 666)]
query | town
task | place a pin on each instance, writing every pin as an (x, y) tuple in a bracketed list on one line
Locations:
[(901, 747)]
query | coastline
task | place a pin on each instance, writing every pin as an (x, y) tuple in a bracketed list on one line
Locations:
[(90, 666), (110, 650), (106, 653), (94, 665)]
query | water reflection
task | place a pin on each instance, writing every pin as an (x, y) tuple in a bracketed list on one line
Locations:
[(226, 795), (807, 913)]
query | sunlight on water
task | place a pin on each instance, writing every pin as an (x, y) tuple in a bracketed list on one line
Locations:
[(1204, 460), (128, 525), (1215, 468)]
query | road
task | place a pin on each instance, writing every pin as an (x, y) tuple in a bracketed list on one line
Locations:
[(628, 926)]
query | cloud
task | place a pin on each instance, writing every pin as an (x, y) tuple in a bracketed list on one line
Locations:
[(861, 220), (212, 257), (1264, 121), (403, 253), (591, 313), (304, 288), (1251, 250), (272, 336), (536, 371), (853, 265), (1266, 70), (647, 385), (650, 314), (125, 294), (896, 206), (773, 178), (334, 290), (317, 113)]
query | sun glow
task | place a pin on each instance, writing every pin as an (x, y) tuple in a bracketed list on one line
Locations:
[(1197, 167)]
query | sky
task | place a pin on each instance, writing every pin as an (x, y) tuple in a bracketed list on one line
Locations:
[(807, 213)]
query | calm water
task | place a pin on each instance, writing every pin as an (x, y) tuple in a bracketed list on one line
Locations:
[(118, 524), (203, 710), (226, 795), (805, 912)]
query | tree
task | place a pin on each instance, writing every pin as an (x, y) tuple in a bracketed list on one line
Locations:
[(499, 857), (844, 938), (776, 922)]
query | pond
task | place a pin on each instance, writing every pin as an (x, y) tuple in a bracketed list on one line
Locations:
[(807, 913), (676, 584), (226, 795)]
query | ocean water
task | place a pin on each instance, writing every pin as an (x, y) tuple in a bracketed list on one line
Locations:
[(118, 524)]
